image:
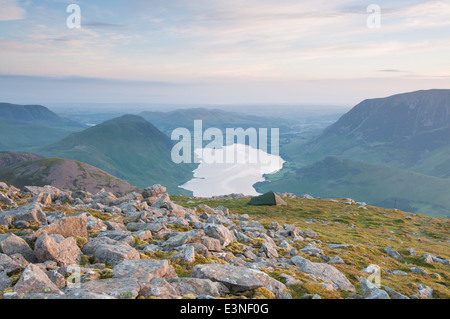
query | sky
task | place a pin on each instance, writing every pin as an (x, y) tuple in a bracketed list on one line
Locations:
[(221, 52)]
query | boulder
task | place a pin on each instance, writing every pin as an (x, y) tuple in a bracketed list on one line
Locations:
[(425, 291), (34, 280), (36, 190), (110, 251), (8, 265), (164, 198), (119, 288), (418, 270), (5, 282), (198, 287), (394, 294), (337, 260), (219, 232), (153, 227), (325, 272), (370, 291), (391, 252), (6, 200), (236, 278), (5, 219), (11, 244), (67, 227), (434, 259), (193, 236), (153, 191), (268, 250), (144, 269), (118, 235), (159, 288), (28, 213), (212, 244), (44, 199), (64, 252)]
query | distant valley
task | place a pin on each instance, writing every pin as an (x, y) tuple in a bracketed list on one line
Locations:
[(392, 152)]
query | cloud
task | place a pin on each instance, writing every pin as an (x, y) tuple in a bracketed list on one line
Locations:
[(11, 10), (103, 25)]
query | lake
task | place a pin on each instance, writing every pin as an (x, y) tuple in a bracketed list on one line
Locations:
[(216, 179)]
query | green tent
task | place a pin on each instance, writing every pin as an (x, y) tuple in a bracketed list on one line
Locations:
[(269, 198)]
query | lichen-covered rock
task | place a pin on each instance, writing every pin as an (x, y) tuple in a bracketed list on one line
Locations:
[(5, 282), (11, 244), (219, 232), (193, 236), (9, 265), (391, 252), (34, 280), (144, 270), (5, 199), (236, 278), (28, 213), (160, 288), (325, 272), (66, 227), (268, 250), (370, 291), (119, 288), (198, 287), (64, 252), (109, 251)]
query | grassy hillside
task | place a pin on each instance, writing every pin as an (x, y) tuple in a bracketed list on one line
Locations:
[(366, 232), (26, 126), (374, 184), (127, 147), (63, 174), (18, 136), (11, 158), (36, 114)]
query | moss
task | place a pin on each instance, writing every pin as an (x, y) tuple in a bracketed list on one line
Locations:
[(184, 269), (138, 242), (93, 234), (144, 256), (179, 228), (106, 273), (236, 248), (81, 241), (87, 260), (259, 293)]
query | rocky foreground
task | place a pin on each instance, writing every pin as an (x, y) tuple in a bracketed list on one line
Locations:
[(57, 244)]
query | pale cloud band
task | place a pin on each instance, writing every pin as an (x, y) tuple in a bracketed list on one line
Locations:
[(263, 46), (11, 10)]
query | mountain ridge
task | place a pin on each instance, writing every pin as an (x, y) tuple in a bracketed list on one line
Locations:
[(128, 147)]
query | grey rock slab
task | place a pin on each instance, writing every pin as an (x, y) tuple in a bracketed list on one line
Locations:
[(35, 280), (120, 288), (370, 291), (235, 278), (325, 272), (64, 251), (391, 252), (198, 287), (11, 244), (144, 269)]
